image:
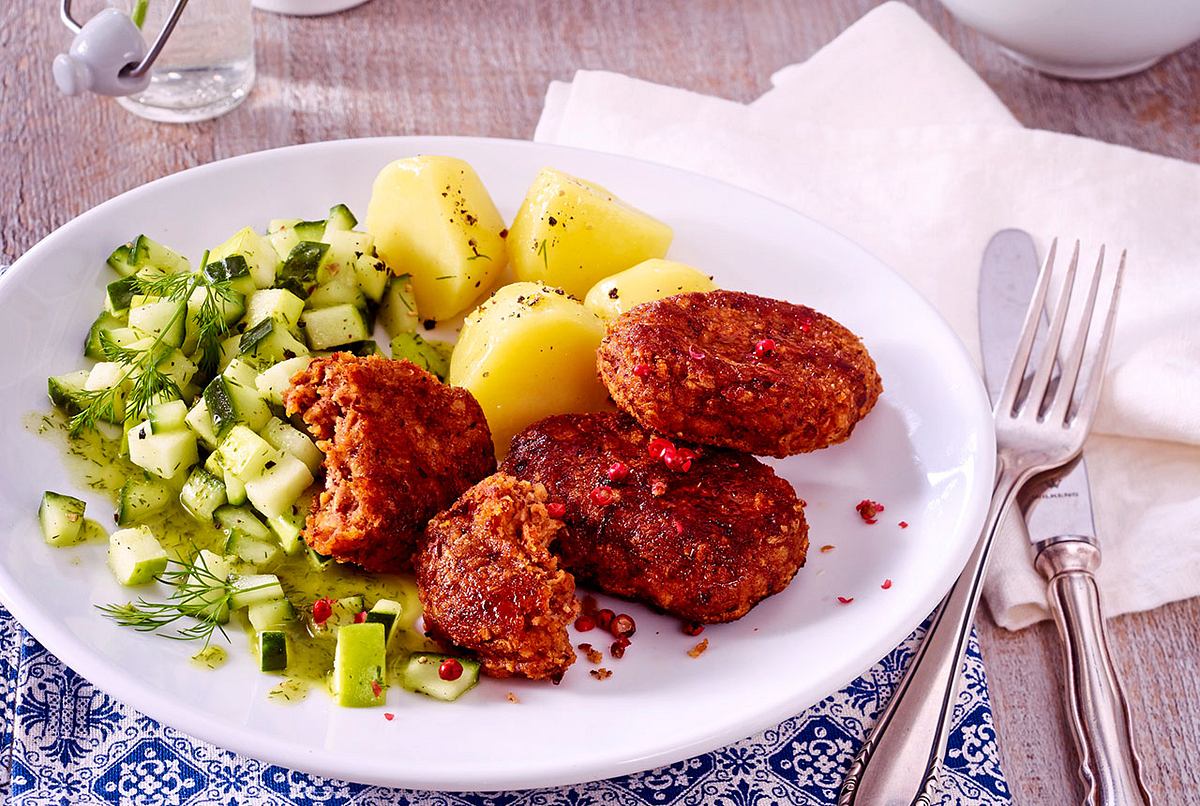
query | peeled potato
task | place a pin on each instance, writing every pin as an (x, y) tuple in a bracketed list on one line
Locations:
[(527, 353), (570, 234), (649, 280), (433, 218)]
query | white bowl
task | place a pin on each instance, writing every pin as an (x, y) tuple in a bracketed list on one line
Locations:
[(1084, 39)]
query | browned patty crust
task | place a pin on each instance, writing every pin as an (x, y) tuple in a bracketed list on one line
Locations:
[(489, 583), (705, 545), (686, 366), (399, 446)]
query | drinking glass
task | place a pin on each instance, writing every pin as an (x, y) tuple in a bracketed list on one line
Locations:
[(207, 66)]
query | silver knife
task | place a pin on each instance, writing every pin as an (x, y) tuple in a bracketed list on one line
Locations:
[(1058, 524)]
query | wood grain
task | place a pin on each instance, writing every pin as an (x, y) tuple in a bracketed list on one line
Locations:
[(473, 67)]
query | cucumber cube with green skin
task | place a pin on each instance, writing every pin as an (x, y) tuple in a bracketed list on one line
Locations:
[(281, 232), (165, 455), (388, 613), (420, 674), (61, 517), (273, 613), (242, 520), (141, 497), (208, 587), (431, 356), (358, 666), (233, 270), (263, 556), (372, 275), (230, 349), (272, 650), (340, 288), (331, 327), (274, 303), (235, 490), (317, 560), (245, 454), (310, 230), (110, 375), (254, 588), (256, 250), (298, 273), (135, 556), (230, 403), (274, 381), (279, 486), (289, 440), (170, 415), (340, 218), (290, 531), (202, 494), (67, 391), (142, 253), (105, 323), (398, 309), (269, 342), (161, 319), (241, 372), (345, 247), (200, 423)]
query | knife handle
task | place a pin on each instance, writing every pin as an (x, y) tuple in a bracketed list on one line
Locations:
[(1099, 714)]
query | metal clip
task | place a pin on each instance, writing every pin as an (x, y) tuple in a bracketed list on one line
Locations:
[(109, 55)]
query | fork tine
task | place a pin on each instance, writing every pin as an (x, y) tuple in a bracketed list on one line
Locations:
[(1091, 399), (1041, 378), (1033, 319), (1069, 378)]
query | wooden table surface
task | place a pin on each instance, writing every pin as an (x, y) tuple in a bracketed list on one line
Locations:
[(472, 67)]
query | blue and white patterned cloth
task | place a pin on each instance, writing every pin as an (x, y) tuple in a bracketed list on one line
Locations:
[(65, 742)]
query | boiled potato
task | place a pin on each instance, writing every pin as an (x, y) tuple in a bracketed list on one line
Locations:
[(570, 234), (649, 280), (527, 353), (433, 218)]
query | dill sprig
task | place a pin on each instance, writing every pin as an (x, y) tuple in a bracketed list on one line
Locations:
[(198, 594), (144, 378)]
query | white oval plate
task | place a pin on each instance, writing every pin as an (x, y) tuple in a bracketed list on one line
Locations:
[(926, 452)]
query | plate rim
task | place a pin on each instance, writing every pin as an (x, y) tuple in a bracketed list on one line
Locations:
[(238, 739)]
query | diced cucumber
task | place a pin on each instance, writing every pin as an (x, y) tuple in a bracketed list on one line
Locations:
[(310, 230), (389, 613), (61, 517), (318, 560), (358, 666), (172, 363), (135, 556), (142, 253), (330, 327), (258, 252), (67, 391), (271, 341), (170, 415), (274, 381), (274, 303), (119, 293), (289, 527), (234, 270), (202, 494), (279, 486), (161, 319), (372, 275), (200, 421), (254, 588), (273, 613), (281, 232), (231, 348), (346, 610), (208, 587), (299, 271), (230, 403), (240, 520), (340, 218), (398, 310), (430, 355), (263, 556), (421, 674), (284, 437), (230, 308), (241, 372), (235, 490), (165, 455), (345, 247), (110, 375), (272, 650), (141, 497), (105, 323), (244, 453), (339, 289)]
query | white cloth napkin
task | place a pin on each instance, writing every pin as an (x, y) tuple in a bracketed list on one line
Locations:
[(888, 137)]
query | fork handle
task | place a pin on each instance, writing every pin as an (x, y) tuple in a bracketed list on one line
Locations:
[(1099, 714), (897, 763)]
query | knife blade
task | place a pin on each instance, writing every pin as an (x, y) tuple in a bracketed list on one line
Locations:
[(1060, 505)]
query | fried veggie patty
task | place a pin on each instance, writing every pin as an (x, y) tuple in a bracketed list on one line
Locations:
[(489, 583), (399, 447), (705, 541), (739, 371)]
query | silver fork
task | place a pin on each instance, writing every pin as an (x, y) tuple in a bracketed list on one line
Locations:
[(1037, 430)]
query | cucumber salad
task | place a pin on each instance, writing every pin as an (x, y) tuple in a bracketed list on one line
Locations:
[(181, 418)]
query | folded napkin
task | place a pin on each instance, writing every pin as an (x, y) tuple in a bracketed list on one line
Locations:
[(66, 742), (888, 137)]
